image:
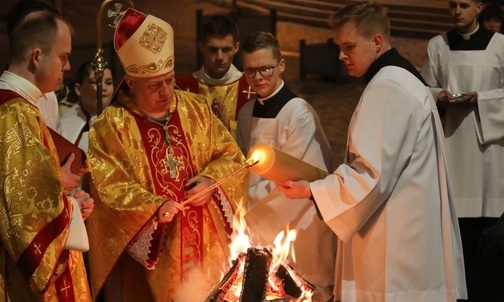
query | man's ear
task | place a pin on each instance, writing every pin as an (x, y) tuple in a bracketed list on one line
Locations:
[(36, 56), (129, 81), (281, 65), (479, 7), (378, 42), (237, 47), (77, 89)]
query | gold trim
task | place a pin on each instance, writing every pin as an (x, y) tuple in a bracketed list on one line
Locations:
[(151, 68)]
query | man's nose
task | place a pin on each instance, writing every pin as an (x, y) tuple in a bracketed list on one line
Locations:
[(66, 67), (164, 90), (341, 55)]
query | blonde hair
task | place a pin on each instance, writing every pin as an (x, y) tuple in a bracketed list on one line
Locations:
[(369, 18)]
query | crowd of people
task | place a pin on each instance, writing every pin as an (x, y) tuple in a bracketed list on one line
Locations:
[(411, 214)]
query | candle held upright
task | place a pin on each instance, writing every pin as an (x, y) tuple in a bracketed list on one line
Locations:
[(279, 166)]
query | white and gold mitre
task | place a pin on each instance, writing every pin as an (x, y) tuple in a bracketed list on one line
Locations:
[(144, 44)]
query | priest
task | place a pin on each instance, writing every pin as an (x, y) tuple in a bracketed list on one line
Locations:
[(218, 79), (152, 149), (36, 215)]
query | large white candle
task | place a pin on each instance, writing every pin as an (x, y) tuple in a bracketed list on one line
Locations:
[(279, 166)]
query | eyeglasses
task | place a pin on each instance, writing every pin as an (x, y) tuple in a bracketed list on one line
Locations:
[(265, 72)]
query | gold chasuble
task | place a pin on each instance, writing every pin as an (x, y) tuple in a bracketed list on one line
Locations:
[(233, 95), (229, 96), (137, 165), (35, 215)]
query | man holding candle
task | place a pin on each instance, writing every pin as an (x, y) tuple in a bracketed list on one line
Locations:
[(152, 148), (279, 118), (390, 202)]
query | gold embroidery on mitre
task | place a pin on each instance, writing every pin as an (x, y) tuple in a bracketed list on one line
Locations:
[(152, 67), (153, 38), (169, 63)]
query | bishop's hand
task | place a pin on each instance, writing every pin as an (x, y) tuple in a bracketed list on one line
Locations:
[(168, 210), (194, 186)]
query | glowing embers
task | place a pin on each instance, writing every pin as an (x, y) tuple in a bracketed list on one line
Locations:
[(254, 277), (260, 273)]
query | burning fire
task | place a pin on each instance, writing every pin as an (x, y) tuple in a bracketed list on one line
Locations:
[(278, 272)]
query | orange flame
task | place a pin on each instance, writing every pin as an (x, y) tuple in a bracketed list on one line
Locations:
[(280, 252), (283, 247), (240, 240), (256, 157)]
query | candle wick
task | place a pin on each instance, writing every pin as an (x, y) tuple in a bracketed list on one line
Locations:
[(249, 164)]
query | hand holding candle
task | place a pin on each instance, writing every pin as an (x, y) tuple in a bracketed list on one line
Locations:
[(279, 166)]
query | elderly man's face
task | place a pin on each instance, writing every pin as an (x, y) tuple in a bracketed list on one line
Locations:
[(155, 94)]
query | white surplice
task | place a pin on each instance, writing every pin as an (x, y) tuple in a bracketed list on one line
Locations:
[(295, 130), (48, 106), (474, 138), (73, 122), (390, 203)]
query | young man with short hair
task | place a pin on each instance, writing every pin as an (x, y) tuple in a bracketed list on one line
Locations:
[(287, 122), (390, 203), (36, 220), (218, 79), (468, 61)]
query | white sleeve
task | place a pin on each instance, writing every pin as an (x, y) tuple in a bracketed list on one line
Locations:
[(382, 138)]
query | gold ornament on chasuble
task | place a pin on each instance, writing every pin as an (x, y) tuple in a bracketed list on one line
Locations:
[(171, 159), (123, 162), (228, 94)]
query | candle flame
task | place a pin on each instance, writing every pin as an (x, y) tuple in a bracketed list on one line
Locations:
[(255, 158)]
